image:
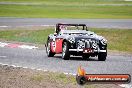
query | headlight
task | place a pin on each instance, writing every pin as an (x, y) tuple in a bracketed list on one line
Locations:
[(103, 41), (72, 40), (81, 44)]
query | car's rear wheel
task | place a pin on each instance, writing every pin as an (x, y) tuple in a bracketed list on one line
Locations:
[(102, 56), (48, 50), (65, 51)]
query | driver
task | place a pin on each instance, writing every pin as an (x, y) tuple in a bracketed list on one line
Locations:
[(60, 27)]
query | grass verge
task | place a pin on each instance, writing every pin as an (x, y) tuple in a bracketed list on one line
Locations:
[(118, 39), (11, 77), (67, 9)]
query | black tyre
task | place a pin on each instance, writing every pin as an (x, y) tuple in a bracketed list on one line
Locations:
[(85, 56), (48, 49), (102, 56), (81, 80), (65, 51)]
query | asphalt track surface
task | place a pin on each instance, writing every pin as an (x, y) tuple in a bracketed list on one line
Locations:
[(37, 58), (96, 23)]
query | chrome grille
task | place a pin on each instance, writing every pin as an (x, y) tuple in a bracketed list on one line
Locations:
[(86, 43)]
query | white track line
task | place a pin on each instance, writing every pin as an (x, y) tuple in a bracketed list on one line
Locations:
[(3, 44), (27, 47), (3, 56), (35, 69), (5, 26), (125, 85), (128, 0)]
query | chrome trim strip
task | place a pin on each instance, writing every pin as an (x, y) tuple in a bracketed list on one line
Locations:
[(82, 50), (76, 50), (99, 50)]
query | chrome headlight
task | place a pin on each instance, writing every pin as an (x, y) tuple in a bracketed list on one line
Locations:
[(81, 44), (72, 40), (103, 41)]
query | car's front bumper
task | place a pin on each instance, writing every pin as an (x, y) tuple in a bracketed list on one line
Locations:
[(81, 50)]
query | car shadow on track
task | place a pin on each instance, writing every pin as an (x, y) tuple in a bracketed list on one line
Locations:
[(78, 58)]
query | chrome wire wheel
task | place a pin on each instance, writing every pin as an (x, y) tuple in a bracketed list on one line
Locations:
[(63, 50), (48, 48)]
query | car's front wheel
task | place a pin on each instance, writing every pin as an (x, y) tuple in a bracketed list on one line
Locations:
[(48, 50), (65, 51), (85, 56), (102, 56)]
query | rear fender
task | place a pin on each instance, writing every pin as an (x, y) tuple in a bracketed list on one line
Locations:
[(58, 42)]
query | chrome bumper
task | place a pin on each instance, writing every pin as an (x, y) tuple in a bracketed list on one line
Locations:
[(81, 50)]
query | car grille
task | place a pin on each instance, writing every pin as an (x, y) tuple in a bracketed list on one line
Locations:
[(86, 43)]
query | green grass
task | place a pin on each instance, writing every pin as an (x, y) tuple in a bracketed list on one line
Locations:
[(118, 39), (51, 2), (53, 77), (67, 9), (31, 36), (38, 77), (58, 78)]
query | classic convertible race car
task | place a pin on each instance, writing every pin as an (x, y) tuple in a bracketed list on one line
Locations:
[(76, 40)]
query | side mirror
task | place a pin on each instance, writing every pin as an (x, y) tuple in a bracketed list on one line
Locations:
[(87, 28), (55, 34)]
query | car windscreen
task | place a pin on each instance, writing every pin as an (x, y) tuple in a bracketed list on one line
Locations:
[(74, 32)]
